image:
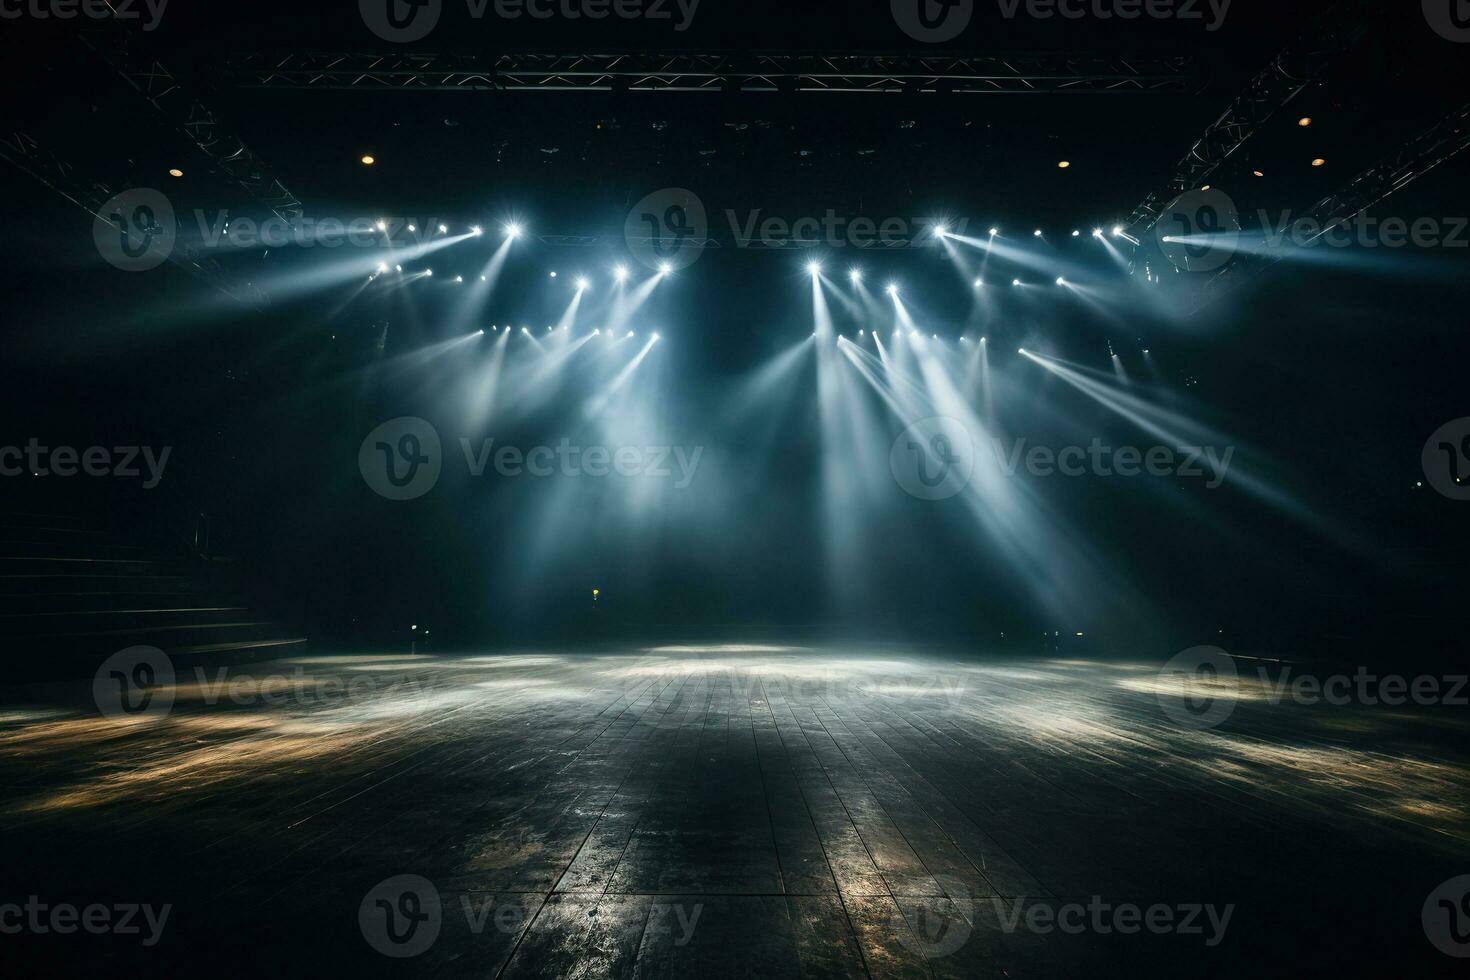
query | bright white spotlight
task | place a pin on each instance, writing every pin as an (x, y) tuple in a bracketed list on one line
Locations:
[(979, 283), (443, 229), (428, 272), (459, 278), (1097, 233), (941, 230), (512, 230), (398, 268), (382, 225), (476, 230), (620, 273), (1021, 351), (630, 333), (815, 268), (1117, 231), (892, 289), (994, 232), (412, 226), (655, 336), (664, 268), (1015, 282), (480, 332), (1036, 233), (552, 273), (1076, 233), (582, 282), (525, 331), (382, 267), (855, 275), (1061, 281), (483, 279), (597, 331)]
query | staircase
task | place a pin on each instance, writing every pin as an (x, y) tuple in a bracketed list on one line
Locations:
[(73, 592)]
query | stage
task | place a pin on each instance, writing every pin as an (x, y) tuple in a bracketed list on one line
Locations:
[(725, 810)]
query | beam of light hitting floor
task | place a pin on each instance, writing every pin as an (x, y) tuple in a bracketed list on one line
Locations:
[(1175, 430)]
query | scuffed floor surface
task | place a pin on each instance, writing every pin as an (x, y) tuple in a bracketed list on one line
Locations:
[(723, 810)]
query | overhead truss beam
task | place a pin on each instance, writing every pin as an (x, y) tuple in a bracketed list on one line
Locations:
[(714, 72)]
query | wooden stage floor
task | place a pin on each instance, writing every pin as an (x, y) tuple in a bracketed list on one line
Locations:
[(720, 811)]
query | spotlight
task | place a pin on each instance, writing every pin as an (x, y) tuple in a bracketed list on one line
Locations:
[(581, 282), (443, 229), (630, 333), (525, 331), (979, 283), (596, 331), (428, 272), (1258, 173), (382, 225), (815, 268), (368, 160), (1061, 281), (994, 232), (476, 231), (413, 227), (459, 278), (982, 340), (1015, 282), (664, 268), (620, 273), (480, 332), (1319, 162), (855, 275), (382, 267), (1021, 351), (512, 230), (1076, 233), (398, 268), (1097, 233), (483, 279), (175, 172), (552, 273), (941, 230), (1063, 164), (892, 289), (655, 336), (1304, 121), (1036, 233), (1117, 231), (862, 333)]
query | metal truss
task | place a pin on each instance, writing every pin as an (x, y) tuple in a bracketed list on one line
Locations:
[(713, 72), (1434, 146), (29, 155), (126, 52), (1293, 70)]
